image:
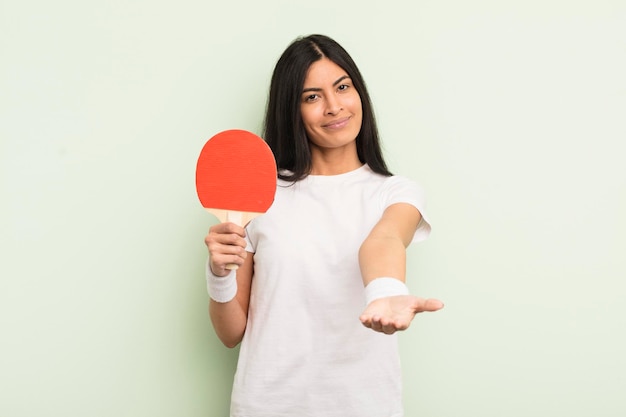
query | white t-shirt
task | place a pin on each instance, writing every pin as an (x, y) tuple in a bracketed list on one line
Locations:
[(305, 353)]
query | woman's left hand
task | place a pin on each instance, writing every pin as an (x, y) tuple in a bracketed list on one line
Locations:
[(390, 314)]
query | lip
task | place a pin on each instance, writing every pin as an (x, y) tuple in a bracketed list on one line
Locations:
[(337, 124)]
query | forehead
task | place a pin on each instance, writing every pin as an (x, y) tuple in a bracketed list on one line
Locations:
[(323, 71)]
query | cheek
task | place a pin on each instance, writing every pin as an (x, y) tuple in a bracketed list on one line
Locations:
[(357, 107), (305, 113), (354, 104), (309, 116), (358, 104), (306, 122)]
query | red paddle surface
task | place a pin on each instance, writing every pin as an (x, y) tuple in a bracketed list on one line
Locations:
[(236, 171)]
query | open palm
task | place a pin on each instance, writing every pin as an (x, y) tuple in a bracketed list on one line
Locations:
[(390, 314)]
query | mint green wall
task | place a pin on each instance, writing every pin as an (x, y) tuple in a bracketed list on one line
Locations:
[(511, 114)]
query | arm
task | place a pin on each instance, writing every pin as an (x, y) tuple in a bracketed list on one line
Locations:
[(226, 245), (383, 254), (229, 319)]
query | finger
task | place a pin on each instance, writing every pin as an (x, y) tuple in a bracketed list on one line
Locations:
[(430, 304), (376, 324), (227, 228), (388, 327), (214, 240), (219, 258), (221, 234), (232, 239), (221, 264), (218, 248), (223, 255), (366, 320)]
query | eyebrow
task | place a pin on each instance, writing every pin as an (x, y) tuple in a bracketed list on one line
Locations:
[(343, 77)]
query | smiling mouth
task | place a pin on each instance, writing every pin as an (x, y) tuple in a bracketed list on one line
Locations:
[(337, 124)]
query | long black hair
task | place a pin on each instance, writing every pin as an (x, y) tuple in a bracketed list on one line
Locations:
[(283, 128)]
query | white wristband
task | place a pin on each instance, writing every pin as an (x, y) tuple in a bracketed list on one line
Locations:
[(221, 289), (384, 287)]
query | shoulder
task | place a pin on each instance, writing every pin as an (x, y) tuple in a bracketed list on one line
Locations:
[(399, 189), (402, 189)]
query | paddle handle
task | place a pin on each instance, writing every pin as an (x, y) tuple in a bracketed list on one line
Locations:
[(237, 218), (240, 218)]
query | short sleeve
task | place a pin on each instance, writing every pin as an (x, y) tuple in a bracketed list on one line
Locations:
[(250, 246), (398, 189)]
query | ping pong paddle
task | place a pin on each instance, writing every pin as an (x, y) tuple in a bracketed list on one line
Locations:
[(236, 177)]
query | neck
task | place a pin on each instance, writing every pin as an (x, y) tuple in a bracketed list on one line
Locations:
[(334, 163)]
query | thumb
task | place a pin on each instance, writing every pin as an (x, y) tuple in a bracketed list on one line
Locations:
[(430, 304)]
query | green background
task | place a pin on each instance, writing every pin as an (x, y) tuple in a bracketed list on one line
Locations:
[(510, 114)]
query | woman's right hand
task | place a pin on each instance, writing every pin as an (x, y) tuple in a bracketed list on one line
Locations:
[(227, 246)]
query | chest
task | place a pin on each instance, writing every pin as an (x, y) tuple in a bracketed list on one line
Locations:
[(318, 224)]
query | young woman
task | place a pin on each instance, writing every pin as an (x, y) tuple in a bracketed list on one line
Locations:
[(320, 286)]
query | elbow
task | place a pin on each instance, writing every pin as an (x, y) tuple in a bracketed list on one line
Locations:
[(230, 343), (374, 245), (228, 337)]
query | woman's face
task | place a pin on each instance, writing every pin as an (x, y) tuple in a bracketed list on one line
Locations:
[(330, 107)]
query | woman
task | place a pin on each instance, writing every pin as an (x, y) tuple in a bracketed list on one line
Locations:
[(320, 284)]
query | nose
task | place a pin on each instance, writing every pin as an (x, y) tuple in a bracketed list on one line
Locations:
[(333, 105)]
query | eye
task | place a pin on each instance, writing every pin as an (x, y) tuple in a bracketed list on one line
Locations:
[(311, 97), (343, 87)]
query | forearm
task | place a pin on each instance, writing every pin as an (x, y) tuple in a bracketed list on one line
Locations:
[(230, 315), (382, 259), (229, 321), (382, 256), (383, 253)]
